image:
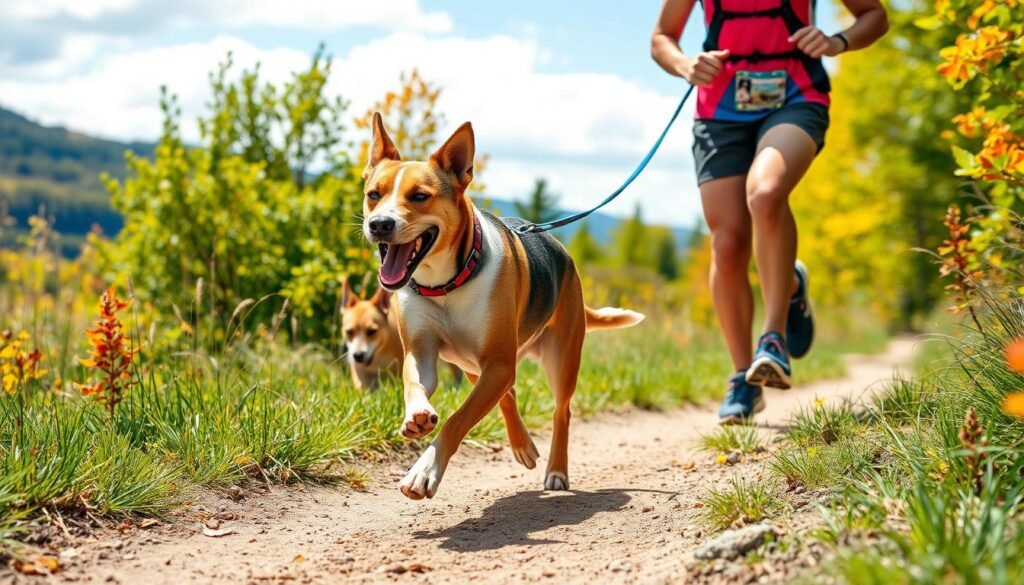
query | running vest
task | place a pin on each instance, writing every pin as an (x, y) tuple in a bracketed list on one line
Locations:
[(764, 70)]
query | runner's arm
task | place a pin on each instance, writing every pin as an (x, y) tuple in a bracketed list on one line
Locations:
[(870, 25), (699, 70)]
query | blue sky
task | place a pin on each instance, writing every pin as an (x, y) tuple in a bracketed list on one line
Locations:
[(564, 90)]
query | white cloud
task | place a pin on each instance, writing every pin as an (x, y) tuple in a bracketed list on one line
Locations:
[(584, 132), (40, 9), (325, 15)]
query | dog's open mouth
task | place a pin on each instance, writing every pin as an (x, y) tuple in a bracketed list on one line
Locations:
[(398, 262)]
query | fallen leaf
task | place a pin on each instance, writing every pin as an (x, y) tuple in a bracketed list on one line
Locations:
[(149, 523), (688, 465), (217, 533), (299, 559), (40, 565)]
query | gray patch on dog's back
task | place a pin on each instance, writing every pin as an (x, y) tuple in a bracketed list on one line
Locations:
[(548, 261)]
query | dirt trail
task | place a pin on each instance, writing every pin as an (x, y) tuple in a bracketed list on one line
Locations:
[(629, 517)]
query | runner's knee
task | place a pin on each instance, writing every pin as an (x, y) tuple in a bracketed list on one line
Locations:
[(731, 250), (767, 201)]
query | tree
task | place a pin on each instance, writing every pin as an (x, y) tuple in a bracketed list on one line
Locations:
[(583, 247), (666, 261), (241, 212), (541, 206), (629, 240)]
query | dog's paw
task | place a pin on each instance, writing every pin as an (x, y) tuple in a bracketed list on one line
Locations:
[(526, 455), (556, 481), (419, 422), (423, 478)]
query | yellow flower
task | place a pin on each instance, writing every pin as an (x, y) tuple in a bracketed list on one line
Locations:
[(721, 460), (818, 403)]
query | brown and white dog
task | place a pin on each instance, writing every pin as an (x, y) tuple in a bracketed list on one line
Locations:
[(474, 292), (374, 349)]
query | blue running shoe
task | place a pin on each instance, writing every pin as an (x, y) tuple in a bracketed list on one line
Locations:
[(800, 320), (771, 363), (742, 400)]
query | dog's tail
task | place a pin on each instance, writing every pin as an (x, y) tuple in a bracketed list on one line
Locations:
[(611, 318)]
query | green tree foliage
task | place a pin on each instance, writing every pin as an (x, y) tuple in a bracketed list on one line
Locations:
[(541, 206), (583, 247), (666, 260), (882, 183), (628, 240), (241, 210)]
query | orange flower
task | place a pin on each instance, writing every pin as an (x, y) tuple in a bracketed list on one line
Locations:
[(1013, 404), (111, 354), (1015, 355)]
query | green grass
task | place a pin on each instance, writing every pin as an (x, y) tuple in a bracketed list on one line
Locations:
[(262, 410), (732, 438), (739, 503)]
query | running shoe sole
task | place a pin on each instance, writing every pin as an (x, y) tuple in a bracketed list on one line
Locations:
[(767, 372), (734, 419)]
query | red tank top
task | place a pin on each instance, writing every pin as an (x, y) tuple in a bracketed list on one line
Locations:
[(764, 71)]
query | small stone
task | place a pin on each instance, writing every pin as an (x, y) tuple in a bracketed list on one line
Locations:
[(235, 492), (395, 568), (620, 566), (735, 543), (799, 489), (733, 458)]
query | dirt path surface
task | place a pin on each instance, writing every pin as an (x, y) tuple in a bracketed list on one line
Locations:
[(636, 484)]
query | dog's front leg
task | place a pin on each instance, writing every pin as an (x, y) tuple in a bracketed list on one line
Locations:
[(494, 382), (419, 375)]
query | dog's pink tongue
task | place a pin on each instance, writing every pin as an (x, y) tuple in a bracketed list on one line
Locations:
[(395, 262)]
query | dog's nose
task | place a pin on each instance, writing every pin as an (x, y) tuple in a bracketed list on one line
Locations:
[(382, 226), (359, 356)]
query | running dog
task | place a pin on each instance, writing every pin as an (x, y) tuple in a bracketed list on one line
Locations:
[(473, 291)]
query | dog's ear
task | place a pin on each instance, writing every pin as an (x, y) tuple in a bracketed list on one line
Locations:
[(382, 300), (382, 148), (456, 155), (349, 298)]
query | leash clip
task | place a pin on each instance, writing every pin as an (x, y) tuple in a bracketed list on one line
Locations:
[(527, 228)]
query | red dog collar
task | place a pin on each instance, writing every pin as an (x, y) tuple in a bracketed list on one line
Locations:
[(469, 268)]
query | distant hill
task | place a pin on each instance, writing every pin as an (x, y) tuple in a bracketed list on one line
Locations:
[(58, 170)]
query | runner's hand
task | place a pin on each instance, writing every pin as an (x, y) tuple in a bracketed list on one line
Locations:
[(815, 43), (702, 69)]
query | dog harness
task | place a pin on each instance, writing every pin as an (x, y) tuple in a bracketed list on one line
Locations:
[(764, 70), (469, 267)]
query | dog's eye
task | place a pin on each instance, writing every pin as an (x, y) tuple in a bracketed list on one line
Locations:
[(419, 197), (371, 332), (373, 195), (349, 333)]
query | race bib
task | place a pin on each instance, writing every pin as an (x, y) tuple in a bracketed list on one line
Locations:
[(760, 90)]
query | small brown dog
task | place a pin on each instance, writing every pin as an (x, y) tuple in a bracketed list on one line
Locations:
[(475, 292), (371, 337)]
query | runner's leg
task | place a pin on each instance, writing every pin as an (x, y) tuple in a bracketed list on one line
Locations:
[(783, 156), (728, 220)]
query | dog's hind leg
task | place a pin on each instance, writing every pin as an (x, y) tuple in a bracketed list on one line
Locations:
[(560, 351), (519, 438)]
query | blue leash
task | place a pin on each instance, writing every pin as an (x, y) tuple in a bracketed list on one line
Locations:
[(557, 223)]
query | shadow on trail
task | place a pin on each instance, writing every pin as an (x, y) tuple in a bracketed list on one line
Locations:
[(511, 520)]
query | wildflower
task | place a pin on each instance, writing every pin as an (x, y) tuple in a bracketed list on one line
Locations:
[(1013, 404), (974, 442), (818, 403), (1015, 355), (111, 355), (721, 460), (18, 364)]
